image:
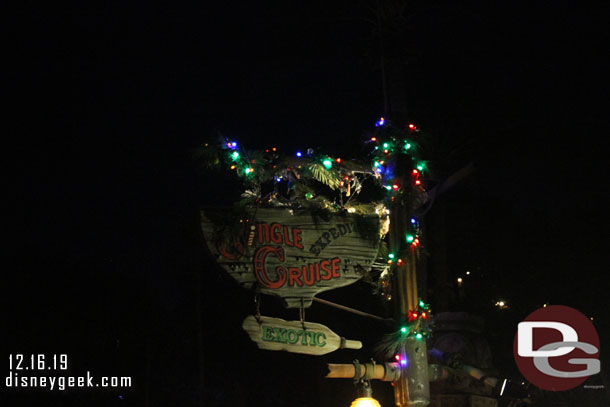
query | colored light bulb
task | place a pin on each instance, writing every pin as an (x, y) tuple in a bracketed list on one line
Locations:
[(410, 238), (403, 329), (327, 163), (235, 155), (299, 154), (418, 336)]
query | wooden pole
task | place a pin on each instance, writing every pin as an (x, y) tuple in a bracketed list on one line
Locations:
[(387, 372), (412, 389)]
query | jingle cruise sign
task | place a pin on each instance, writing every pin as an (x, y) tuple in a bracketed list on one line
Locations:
[(292, 254)]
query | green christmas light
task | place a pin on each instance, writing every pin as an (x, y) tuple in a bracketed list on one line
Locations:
[(309, 195), (418, 336), (377, 164), (327, 163), (388, 187), (407, 146), (421, 166), (248, 170), (410, 238), (421, 304), (403, 329), (391, 255), (235, 155), (386, 145)]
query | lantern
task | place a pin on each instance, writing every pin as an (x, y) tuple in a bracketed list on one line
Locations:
[(365, 397)]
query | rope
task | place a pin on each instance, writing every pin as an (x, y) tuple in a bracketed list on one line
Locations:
[(353, 311)]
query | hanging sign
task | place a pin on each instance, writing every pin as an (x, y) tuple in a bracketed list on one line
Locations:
[(295, 336), (291, 254)]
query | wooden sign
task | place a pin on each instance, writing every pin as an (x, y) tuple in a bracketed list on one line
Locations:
[(291, 254), (295, 336)]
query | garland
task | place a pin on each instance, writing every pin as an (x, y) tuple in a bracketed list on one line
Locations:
[(393, 177), (418, 327)]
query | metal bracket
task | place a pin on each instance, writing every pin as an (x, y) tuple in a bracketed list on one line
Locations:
[(357, 371)]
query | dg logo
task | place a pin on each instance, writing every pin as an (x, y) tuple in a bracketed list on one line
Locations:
[(556, 348)]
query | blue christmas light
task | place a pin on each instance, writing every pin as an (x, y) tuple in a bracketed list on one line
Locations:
[(413, 221), (380, 122), (299, 154)]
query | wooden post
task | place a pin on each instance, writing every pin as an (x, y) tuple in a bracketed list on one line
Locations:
[(412, 389)]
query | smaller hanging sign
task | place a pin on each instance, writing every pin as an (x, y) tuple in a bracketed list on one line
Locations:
[(295, 336)]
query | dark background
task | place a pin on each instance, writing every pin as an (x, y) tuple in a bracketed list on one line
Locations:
[(104, 254)]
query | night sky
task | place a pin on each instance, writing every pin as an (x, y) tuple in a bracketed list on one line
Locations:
[(106, 259)]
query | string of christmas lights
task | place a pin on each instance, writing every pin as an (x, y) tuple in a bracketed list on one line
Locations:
[(314, 180)]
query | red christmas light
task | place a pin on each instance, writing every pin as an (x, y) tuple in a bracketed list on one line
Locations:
[(412, 126)]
